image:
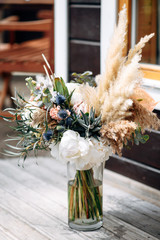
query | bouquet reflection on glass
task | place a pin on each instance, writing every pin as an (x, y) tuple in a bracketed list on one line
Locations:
[(84, 122)]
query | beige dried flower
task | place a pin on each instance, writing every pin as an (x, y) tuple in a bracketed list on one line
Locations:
[(144, 117), (117, 133), (38, 117), (144, 99)]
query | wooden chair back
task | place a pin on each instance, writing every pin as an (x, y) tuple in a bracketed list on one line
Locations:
[(26, 56)]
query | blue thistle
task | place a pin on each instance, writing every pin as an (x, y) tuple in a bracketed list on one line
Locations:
[(47, 135), (62, 114), (60, 99)]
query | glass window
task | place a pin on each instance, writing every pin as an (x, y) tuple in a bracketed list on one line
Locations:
[(146, 20)]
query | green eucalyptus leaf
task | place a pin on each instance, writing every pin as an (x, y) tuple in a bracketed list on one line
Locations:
[(12, 153), (146, 137), (14, 147)]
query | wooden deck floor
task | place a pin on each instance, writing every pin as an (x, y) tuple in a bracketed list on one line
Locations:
[(33, 206)]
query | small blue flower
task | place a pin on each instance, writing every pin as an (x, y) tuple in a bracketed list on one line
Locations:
[(63, 114), (60, 99), (69, 121), (47, 135)]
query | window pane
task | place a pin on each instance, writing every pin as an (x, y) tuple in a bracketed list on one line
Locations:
[(146, 20)]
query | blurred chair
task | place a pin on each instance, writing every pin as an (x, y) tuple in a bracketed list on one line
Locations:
[(25, 56)]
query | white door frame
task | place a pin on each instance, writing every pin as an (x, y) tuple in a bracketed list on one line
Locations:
[(108, 20), (61, 38)]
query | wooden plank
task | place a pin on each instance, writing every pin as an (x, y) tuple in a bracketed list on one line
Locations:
[(44, 205), (85, 1), (17, 228), (124, 230), (84, 22), (150, 71), (137, 171), (129, 201), (148, 153), (134, 219), (43, 222), (137, 189), (139, 205), (23, 190), (84, 56), (140, 191), (34, 67), (5, 235), (35, 26), (26, 2)]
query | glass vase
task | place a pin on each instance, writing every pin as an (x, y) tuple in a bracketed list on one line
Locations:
[(85, 192)]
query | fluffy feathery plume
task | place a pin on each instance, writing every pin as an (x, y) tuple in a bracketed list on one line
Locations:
[(138, 48), (117, 133), (117, 100), (89, 95), (144, 117), (115, 56), (121, 77)]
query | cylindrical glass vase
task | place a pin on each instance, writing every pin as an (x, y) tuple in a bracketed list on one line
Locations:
[(85, 192)]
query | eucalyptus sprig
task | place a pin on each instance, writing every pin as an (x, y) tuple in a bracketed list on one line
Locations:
[(86, 77), (139, 137)]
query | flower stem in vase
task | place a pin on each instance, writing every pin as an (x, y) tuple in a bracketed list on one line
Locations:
[(84, 198)]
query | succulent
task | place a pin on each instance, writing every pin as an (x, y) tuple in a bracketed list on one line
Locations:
[(90, 124)]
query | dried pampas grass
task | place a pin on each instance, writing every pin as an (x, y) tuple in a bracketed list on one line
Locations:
[(115, 96), (138, 48), (115, 56), (117, 133), (117, 101), (112, 96), (89, 95), (144, 117)]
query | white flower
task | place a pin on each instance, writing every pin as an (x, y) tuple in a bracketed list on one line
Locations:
[(76, 97), (43, 82), (85, 153), (55, 150), (29, 109), (72, 146)]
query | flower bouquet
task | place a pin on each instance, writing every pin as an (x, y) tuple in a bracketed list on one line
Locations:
[(83, 125)]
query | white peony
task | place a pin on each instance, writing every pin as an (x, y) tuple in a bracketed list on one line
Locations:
[(85, 153), (55, 150)]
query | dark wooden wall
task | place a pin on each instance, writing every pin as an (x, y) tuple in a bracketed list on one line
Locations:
[(141, 163), (84, 36)]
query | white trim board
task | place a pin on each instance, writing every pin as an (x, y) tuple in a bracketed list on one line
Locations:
[(152, 87), (61, 38), (108, 21)]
